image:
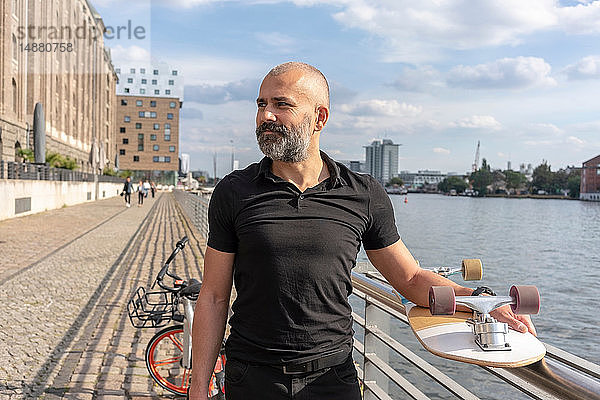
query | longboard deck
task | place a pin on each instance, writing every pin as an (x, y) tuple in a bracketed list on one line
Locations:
[(449, 336)]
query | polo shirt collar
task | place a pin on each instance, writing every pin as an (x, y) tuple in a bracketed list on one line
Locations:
[(264, 170)]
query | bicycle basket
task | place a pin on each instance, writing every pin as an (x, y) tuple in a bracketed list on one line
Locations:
[(151, 309)]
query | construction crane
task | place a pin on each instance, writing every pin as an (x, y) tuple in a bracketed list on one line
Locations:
[(476, 162)]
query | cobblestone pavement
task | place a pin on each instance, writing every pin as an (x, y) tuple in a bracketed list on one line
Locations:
[(64, 330)]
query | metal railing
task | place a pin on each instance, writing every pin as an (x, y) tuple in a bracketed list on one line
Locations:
[(560, 375), (195, 206), (43, 172)]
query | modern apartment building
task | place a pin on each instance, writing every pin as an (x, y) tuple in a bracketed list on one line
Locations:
[(382, 160), (590, 180), (74, 83)]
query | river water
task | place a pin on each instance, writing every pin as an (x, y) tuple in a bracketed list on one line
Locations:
[(553, 244)]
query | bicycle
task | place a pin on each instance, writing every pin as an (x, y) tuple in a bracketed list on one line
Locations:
[(169, 353)]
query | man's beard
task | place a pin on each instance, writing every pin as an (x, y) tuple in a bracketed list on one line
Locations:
[(284, 144)]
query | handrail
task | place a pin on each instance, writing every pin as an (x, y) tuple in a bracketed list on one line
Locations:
[(560, 375)]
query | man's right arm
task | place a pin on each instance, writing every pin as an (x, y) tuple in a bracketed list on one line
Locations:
[(210, 317)]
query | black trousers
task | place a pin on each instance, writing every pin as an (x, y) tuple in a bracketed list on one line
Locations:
[(140, 197), (127, 198), (245, 381)]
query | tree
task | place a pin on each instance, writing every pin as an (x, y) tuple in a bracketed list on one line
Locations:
[(573, 184), (481, 178), (395, 181), (453, 182), (542, 178), (514, 180)]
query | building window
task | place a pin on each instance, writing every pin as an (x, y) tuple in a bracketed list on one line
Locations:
[(171, 82), (174, 72), (125, 141), (169, 116), (156, 127), (154, 81), (138, 125), (152, 114), (118, 70), (172, 149), (155, 159), (140, 147), (144, 81), (142, 70), (141, 114), (121, 152), (132, 70), (172, 104), (123, 102), (167, 138), (152, 103), (140, 136), (126, 90), (156, 91), (136, 158), (155, 72), (142, 91), (155, 147), (122, 129), (167, 159), (167, 126), (152, 137), (127, 118), (139, 103), (168, 91), (129, 80)]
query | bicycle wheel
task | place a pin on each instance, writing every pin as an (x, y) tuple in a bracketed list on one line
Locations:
[(164, 356)]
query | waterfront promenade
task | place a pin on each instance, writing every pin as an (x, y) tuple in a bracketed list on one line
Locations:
[(65, 278)]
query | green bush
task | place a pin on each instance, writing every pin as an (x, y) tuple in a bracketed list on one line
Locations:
[(26, 154), (59, 161)]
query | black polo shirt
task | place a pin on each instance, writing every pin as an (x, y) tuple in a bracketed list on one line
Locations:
[(294, 253)]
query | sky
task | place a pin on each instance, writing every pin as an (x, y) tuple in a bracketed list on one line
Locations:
[(436, 76)]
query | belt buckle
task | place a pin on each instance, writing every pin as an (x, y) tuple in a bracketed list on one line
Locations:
[(294, 369)]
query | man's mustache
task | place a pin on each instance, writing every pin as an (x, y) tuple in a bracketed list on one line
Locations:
[(271, 127)]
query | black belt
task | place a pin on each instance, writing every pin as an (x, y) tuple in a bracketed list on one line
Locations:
[(327, 361)]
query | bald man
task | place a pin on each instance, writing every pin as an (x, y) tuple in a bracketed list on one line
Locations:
[(287, 231)]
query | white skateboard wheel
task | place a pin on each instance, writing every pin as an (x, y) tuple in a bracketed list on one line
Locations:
[(472, 269), (527, 299), (442, 300)]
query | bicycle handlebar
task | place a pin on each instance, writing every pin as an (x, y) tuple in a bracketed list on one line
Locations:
[(165, 269)]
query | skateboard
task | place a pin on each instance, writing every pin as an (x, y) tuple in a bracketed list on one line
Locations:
[(476, 338)]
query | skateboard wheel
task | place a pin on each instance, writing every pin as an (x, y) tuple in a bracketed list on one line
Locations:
[(442, 300), (472, 269), (527, 299)]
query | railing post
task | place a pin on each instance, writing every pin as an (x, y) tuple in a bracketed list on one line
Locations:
[(375, 318)]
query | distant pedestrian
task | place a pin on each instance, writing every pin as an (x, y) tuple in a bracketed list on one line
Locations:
[(146, 188), (127, 190), (152, 188), (141, 193)]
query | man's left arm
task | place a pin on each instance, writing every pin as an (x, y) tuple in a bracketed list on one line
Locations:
[(400, 269)]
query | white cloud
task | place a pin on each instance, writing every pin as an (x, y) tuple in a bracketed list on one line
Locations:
[(389, 108), (279, 42), (505, 73), (420, 79), (478, 122), (441, 150), (131, 55), (545, 129), (580, 19), (575, 140), (586, 68)]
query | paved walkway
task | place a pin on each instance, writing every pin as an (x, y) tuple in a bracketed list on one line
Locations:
[(65, 278)]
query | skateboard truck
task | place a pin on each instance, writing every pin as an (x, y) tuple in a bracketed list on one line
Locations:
[(490, 335)]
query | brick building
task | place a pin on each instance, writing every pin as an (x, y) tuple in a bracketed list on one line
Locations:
[(148, 137), (75, 84), (590, 180), (149, 98)]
